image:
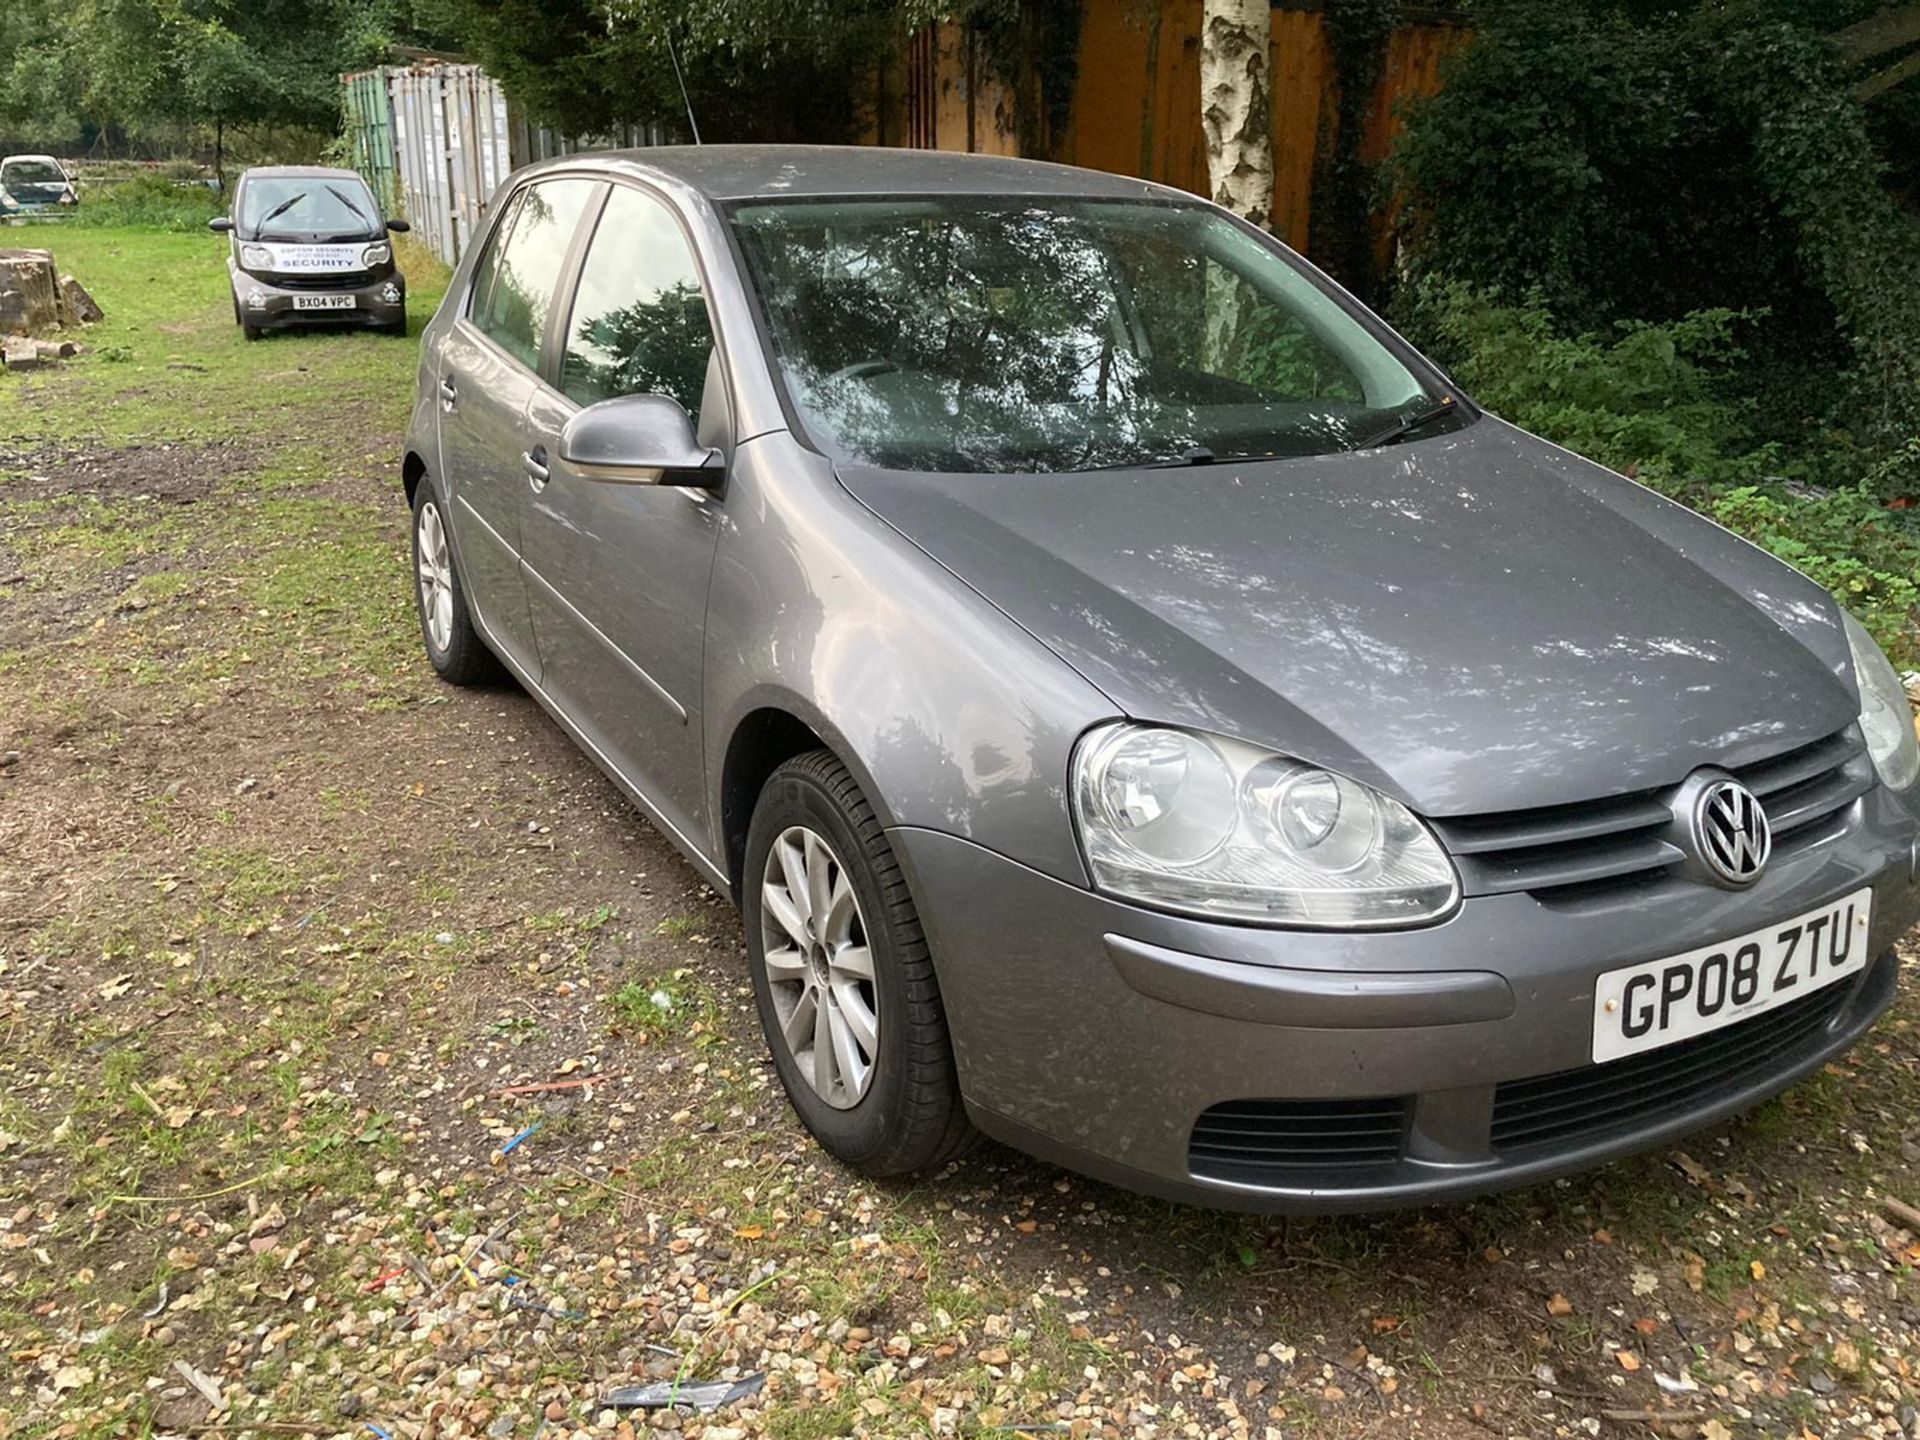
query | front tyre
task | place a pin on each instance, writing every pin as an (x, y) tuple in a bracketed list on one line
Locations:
[(453, 646), (843, 978)]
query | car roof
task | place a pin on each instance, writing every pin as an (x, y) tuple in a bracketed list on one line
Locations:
[(742, 172), (9, 159), (299, 172)]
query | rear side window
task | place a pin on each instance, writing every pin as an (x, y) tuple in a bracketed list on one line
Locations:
[(639, 321), (513, 295)]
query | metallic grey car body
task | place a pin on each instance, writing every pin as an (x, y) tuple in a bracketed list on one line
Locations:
[(1474, 623)]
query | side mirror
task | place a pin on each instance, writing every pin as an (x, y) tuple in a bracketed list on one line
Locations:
[(399, 227), (638, 440), (220, 223)]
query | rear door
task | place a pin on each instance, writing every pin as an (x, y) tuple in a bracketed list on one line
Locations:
[(488, 365), (617, 574)]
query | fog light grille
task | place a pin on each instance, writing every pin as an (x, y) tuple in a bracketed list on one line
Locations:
[(1292, 1142)]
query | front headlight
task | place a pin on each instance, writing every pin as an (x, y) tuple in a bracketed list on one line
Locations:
[(1886, 719), (376, 254), (1214, 827), (256, 257)]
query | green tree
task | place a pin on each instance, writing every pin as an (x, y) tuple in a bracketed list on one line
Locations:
[(216, 65), (754, 69)]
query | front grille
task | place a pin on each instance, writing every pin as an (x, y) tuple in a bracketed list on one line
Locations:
[(1595, 1100), (1281, 1142), (336, 280), (1574, 850)]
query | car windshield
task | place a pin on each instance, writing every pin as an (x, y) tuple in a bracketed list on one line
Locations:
[(306, 205), (32, 172), (1032, 335)]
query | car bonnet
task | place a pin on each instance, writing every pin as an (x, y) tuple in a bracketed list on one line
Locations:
[(1474, 622)]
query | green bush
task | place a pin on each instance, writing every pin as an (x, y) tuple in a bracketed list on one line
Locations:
[(1653, 402), (149, 201), (1645, 162)]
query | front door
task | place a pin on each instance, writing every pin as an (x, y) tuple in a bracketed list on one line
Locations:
[(487, 366), (617, 574)]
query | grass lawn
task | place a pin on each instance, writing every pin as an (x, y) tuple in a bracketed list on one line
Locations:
[(295, 943)]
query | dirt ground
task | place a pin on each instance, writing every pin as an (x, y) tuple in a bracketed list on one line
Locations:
[(368, 1067)]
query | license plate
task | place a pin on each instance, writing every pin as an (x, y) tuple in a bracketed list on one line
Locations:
[(1642, 1007), (323, 302)]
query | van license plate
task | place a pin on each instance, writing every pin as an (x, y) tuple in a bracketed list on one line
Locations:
[(1643, 1007), (323, 302)]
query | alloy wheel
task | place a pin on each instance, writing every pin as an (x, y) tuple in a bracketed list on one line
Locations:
[(818, 966), (435, 571)]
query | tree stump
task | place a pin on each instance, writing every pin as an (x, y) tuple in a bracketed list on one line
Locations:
[(32, 301)]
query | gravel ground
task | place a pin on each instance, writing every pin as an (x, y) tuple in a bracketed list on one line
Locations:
[(367, 1068)]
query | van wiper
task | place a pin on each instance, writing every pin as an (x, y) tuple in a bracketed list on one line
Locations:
[(345, 200), (1407, 424), (1192, 455), (280, 209)]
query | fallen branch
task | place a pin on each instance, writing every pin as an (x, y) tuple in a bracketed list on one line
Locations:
[(1901, 1214), (472, 1255), (553, 1085)]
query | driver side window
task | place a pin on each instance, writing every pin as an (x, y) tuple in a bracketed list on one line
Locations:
[(639, 323)]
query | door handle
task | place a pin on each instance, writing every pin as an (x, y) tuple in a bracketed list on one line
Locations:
[(536, 462), (449, 392)]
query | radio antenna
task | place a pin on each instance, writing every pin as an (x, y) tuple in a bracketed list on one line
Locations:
[(681, 80)]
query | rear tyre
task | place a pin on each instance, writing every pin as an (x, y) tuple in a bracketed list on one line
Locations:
[(453, 645), (843, 978)]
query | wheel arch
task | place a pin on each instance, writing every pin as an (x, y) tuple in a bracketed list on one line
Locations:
[(413, 470), (767, 735)]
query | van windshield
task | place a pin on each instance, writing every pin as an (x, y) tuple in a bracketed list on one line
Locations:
[(965, 333), (283, 207)]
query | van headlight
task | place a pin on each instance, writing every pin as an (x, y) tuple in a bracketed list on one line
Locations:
[(376, 254), (1215, 827), (1886, 719), (256, 257)]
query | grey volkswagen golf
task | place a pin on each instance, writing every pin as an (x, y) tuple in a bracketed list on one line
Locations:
[(1142, 709)]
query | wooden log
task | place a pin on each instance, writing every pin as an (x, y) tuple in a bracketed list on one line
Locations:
[(1901, 1214), (86, 310)]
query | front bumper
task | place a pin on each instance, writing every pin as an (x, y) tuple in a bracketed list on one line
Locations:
[(1096, 1033), (378, 300)]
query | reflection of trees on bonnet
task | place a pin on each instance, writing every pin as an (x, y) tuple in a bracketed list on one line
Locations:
[(1035, 337), (651, 346)]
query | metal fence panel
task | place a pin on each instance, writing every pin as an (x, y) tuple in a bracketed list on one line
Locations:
[(451, 149), (441, 137), (369, 115)]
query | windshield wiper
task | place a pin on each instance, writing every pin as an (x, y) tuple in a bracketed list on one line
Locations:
[(280, 209), (345, 200), (1192, 455), (1407, 424)]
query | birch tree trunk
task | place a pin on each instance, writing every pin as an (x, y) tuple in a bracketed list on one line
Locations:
[(1236, 106)]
